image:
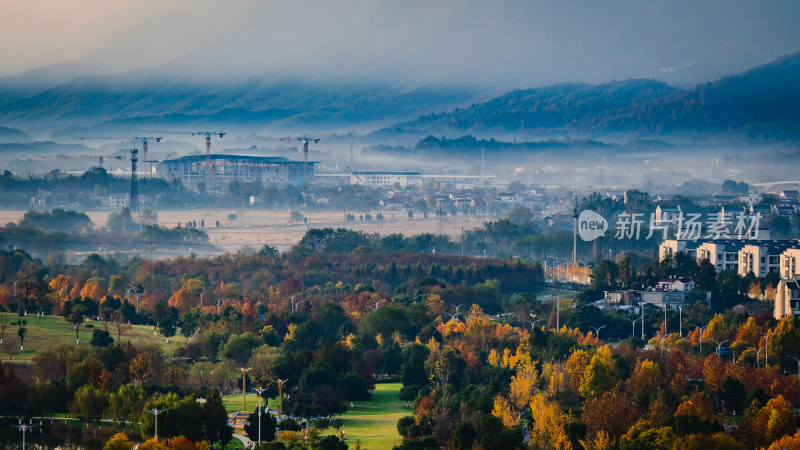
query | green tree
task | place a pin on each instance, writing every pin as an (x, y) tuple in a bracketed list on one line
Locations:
[(598, 377), (89, 403), (215, 420), (268, 424), (101, 338), (21, 332), (240, 347), (76, 316)]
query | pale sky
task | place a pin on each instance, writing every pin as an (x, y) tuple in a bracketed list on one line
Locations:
[(506, 43)]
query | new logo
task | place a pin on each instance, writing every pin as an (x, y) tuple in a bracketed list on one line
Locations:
[(591, 225)]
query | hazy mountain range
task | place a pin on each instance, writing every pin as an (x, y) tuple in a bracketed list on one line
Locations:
[(761, 103)]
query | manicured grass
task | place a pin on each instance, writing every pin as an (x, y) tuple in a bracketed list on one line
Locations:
[(374, 422), (48, 331)]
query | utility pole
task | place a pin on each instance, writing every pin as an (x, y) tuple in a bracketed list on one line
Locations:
[(575, 231), (483, 160), (244, 380), (134, 200)]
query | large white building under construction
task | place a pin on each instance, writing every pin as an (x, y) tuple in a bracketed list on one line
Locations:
[(193, 169)]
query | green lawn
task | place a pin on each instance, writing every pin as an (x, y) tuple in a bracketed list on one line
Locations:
[(375, 421), (46, 331)]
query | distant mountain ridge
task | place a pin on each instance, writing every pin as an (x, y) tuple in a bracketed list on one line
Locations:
[(761, 102)]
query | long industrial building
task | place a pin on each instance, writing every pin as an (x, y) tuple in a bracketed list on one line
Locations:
[(225, 168)]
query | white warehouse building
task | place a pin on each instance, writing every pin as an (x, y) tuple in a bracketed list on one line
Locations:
[(386, 178)]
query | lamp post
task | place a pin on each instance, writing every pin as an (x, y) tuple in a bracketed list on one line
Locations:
[(633, 325), (294, 305), (219, 300), (137, 301), (758, 355), (641, 305), (64, 290), (719, 344), (798, 366), (15, 291), (244, 380), (558, 314), (680, 320), (533, 324), (281, 383), (766, 335), (456, 307), (260, 391), (597, 330), (23, 427), (662, 342), (155, 413), (701, 336)]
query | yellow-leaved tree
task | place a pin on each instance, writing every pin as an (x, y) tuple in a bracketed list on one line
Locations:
[(600, 375), (547, 427)]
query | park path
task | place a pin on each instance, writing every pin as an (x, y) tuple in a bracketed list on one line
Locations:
[(245, 440)]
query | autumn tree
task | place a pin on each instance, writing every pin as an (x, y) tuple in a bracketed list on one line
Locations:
[(762, 426), (119, 441), (547, 427), (600, 375)]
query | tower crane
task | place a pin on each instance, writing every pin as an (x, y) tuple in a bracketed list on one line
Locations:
[(99, 158), (207, 134), (304, 140), (361, 180), (142, 139)]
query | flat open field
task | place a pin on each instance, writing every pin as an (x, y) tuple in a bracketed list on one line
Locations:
[(256, 227), (374, 422), (46, 331)]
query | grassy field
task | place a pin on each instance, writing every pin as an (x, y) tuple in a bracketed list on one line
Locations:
[(256, 227), (374, 422), (46, 331)]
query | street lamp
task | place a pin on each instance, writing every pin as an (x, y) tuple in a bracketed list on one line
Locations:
[(244, 379), (597, 330), (633, 324), (456, 307), (798, 366), (23, 427), (294, 305), (260, 391), (219, 300), (701, 336), (64, 289), (680, 320), (662, 342), (137, 302), (533, 324), (719, 344), (758, 355), (156, 412), (766, 335)]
